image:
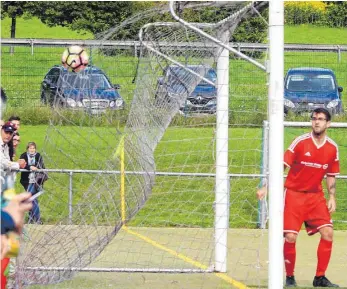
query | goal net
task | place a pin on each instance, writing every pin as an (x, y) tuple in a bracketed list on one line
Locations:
[(156, 213)]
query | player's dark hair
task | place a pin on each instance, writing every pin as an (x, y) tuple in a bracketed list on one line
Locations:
[(14, 117), (322, 110)]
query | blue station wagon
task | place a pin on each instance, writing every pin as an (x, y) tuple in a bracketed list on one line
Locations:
[(307, 88)]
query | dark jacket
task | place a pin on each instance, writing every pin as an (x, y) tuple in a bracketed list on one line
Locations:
[(24, 178)]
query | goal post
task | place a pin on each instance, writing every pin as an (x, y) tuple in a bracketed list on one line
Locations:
[(275, 112)]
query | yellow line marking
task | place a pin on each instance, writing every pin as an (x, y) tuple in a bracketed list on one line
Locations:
[(222, 276), (120, 153)]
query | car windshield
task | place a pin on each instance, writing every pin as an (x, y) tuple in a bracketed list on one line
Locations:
[(79, 80), (310, 82), (179, 74)]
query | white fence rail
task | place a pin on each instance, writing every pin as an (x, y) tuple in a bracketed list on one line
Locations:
[(131, 44)]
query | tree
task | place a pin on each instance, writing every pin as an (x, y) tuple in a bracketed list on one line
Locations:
[(93, 16), (13, 9)]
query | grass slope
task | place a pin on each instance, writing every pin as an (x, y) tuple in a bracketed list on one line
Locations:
[(309, 34), (34, 28)]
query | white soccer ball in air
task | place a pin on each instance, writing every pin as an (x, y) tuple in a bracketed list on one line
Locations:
[(75, 58)]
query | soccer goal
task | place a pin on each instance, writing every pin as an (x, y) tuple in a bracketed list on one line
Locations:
[(173, 201)]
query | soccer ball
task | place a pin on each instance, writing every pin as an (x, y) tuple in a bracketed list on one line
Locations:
[(75, 58)]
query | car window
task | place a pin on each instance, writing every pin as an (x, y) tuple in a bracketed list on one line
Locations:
[(310, 82), (210, 75), (80, 80), (177, 74)]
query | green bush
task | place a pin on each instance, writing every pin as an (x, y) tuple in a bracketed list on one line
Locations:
[(304, 12), (333, 14), (337, 14)]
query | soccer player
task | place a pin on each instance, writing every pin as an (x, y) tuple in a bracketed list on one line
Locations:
[(310, 157)]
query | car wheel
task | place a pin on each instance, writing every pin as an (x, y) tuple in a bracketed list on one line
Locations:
[(43, 99)]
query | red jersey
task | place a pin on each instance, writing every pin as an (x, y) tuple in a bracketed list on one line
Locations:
[(310, 162)]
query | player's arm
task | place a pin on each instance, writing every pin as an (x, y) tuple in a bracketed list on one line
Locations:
[(333, 170), (331, 186)]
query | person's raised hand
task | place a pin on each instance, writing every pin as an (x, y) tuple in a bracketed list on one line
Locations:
[(17, 207)]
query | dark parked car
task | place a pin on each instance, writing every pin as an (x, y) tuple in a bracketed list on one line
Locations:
[(3, 99), (90, 90), (307, 88), (202, 99)]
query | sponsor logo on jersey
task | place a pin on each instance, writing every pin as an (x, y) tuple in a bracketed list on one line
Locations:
[(308, 154), (314, 165)]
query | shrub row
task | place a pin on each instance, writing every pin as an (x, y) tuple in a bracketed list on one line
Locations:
[(333, 14)]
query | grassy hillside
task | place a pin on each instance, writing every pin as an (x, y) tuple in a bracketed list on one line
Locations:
[(309, 34), (34, 28)]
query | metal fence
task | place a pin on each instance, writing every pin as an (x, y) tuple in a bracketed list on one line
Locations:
[(24, 62)]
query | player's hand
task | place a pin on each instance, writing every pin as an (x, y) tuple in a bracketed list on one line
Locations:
[(17, 207), (4, 245), (262, 192), (332, 204)]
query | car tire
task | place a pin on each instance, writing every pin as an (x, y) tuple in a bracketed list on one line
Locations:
[(43, 99)]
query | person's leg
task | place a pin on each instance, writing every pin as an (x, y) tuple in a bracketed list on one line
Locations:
[(324, 250), (289, 252), (320, 221), (293, 219), (36, 217), (32, 213)]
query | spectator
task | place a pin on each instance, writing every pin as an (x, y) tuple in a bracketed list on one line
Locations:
[(16, 142), (32, 181), (7, 131), (16, 121)]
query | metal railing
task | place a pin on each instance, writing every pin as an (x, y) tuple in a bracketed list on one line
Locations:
[(126, 44), (71, 172)]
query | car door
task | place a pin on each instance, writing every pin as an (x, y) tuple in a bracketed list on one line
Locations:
[(49, 85)]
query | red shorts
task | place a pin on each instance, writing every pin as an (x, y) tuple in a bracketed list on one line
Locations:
[(308, 208)]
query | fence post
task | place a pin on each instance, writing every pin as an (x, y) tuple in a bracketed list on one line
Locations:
[(70, 197), (32, 46), (262, 204), (339, 53)]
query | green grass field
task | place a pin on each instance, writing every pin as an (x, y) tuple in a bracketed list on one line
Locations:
[(70, 148)]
